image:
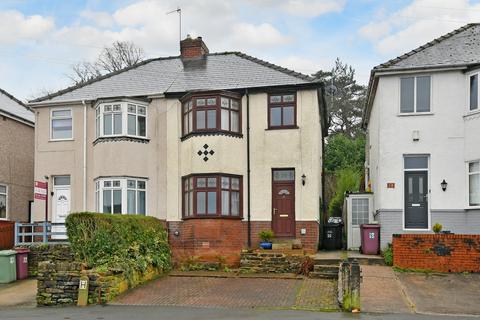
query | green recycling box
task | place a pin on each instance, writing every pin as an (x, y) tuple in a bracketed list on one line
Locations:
[(8, 266)]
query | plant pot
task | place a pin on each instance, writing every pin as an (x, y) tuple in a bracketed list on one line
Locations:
[(266, 245)]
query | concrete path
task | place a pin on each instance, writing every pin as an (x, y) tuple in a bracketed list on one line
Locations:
[(443, 293), (381, 291), (19, 293)]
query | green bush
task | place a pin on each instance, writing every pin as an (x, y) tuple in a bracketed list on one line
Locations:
[(388, 255), (347, 180), (266, 235), (118, 242), (437, 227)]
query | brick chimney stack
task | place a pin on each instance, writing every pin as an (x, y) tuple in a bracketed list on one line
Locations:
[(193, 48)]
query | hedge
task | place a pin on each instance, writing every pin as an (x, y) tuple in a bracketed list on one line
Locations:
[(126, 243)]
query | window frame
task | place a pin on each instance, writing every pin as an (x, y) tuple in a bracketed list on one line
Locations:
[(469, 92), (60, 118), (193, 190), (194, 108), (124, 188), (415, 112), (282, 105), (6, 200), (124, 105), (469, 206)]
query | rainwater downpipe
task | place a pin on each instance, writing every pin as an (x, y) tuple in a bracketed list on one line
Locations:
[(249, 227), (84, 156)]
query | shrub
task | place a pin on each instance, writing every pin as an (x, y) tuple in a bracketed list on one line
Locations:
[(388, 255), (118, 242), (437, 227), (306, 266), (347, 180), (266, 235)]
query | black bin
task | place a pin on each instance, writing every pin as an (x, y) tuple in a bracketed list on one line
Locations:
[(332, 234)]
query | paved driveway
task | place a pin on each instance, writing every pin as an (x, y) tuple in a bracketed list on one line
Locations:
[(310, 294), (18, 294)]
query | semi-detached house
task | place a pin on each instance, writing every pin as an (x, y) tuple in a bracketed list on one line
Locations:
[(423, 137), (219, 145)]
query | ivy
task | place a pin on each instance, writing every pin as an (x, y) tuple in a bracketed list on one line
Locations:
[(124, 243)]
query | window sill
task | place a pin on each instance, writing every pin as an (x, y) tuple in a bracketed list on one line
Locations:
[(472, 208), (212, 217), (409, 114), (282, 128), (60, 140), (121, 138), (472, 113), (211, 133)]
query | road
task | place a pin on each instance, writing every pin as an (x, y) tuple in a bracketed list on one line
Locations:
[(189, 313)]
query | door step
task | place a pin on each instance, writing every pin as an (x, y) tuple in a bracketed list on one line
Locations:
[(324, 271), (286, 244)]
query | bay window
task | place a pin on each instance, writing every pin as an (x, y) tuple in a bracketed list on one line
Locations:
[(121, 119), (120, 195), (211, 113), (212, 195), (474, 184)]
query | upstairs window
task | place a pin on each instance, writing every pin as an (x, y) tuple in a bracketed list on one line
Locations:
[(61, 124), (211, 113), (121, 119), (282, 111), (415, 94), (474, 92), (3, 202), (212, 195)]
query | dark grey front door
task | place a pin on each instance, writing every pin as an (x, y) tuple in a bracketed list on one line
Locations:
[(416, 200)]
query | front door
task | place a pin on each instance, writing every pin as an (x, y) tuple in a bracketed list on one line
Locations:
[(283, 203), (60, 205), (416, 200)]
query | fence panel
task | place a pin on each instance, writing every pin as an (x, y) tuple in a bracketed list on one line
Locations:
[(7, 230)]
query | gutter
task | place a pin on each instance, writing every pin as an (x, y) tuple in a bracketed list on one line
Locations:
[(84, 156), (249, 224)]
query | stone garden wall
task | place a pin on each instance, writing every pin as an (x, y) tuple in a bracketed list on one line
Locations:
[(269, 262), (437, 252), (46, 252)]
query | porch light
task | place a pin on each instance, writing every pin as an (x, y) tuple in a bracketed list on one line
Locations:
[(444, 185), (304, 177)]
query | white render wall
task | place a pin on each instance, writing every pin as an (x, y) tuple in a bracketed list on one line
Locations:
[(447, 134)]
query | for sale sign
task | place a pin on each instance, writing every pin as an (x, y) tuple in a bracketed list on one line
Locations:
[(40, 191)]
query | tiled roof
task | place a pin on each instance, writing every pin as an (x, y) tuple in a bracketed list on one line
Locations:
[(458, 48), (217, 71), (14, 107)]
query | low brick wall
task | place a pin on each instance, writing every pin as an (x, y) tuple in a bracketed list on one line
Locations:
[(58, 283), (269, 262), (437, 252)]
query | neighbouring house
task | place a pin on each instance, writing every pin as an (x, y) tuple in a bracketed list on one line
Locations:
[(219, 145), (16, 158), (423, 137)]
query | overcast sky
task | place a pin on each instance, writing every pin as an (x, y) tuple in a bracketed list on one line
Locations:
[(41, 39)]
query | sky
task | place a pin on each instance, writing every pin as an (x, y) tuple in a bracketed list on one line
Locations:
[(40, 40)]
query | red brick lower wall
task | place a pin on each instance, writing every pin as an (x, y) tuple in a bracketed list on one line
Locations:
[(215, 239), (438, 252)]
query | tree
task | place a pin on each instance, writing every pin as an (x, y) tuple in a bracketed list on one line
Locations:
[(345, 105), (119, 55), (342, 152)]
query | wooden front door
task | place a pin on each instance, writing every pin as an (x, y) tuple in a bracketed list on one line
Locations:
[(283, 203)]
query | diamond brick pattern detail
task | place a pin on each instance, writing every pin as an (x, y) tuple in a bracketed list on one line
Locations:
[(206, 152)]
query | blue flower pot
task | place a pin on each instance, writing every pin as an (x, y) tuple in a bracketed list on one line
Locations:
[(266, 245)]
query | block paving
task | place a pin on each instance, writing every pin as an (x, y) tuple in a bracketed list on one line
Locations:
[(230, 292)]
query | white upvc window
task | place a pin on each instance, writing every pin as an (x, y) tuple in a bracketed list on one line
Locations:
[(121, 119), (474, 183), (473, 90), (415, 94), (61, 124), (3, 201), (121, 195)]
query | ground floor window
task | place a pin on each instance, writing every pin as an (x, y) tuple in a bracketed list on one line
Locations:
[(3, 202), (474, 183), (121, 195), (212, 195)]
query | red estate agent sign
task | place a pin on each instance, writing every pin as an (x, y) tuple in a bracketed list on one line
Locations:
[(40, 190)]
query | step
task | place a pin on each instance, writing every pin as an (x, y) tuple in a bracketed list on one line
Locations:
[(323, 275), (328, 268), (327, 261)]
